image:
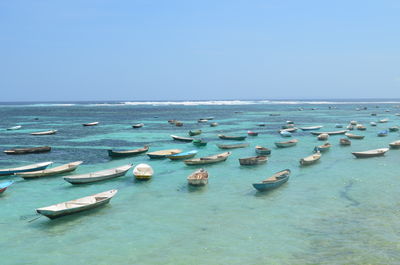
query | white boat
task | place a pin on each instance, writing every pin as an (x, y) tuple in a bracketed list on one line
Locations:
[(91, 123), (323, 137), (143, 171), (45, 132), (311, 128), (371, 153), (50, 172), (14, 128), (198, 178), (33, 167), (78, 205), (310, 159), (99, 175)]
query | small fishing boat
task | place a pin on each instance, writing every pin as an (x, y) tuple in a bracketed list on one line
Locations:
[(323, 136), (261, 125), (285, 134), (323, 148), (196, 132), (50, 172), (289, 122), (232, 146), (353, 122), (172, 121), (344, 141), (373, 123), (287, 126), (395, 144), (163, 153), (91, 123), (330, 133), (262, 150), (361, 127), (137, 125), (291, 130), (182, 139), (125, 153), (31, 150), (254, 160), (383, 133), (287, 143), (214, 124), (202, 120), (273, 182), (383, 121), (143, 172), (350, 127), (199, 142), (339, 126), (371, 153), (209, 159), (310, 159), (5, 185), (354, 136), (45, 132), (374, 114), (14, 128), (183, 155), (311, 128), (99, 175), (394, 129), (78, 205), (226, 137), (198, 178), (178, 124), (251, 133), (28, 168)]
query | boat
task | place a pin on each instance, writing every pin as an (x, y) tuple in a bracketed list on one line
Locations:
[(344, 141), (181, 138), (183, 155), (383, 133), (125, 153), (214, 124), (91, 123), (50, 172), (323, 148), (209, 159), (198, 178), (262, 150), (178, 124), (289, 122), (274, 114), (373, 123), (137, 125), (31, 150), (254, 160), (226, 137), (287, 126), (339, 126), (261, 125), (99, 175), (371, 153), (199, 142), (5, 185), (273, 182), (287, 143), (163, 153), (323, 136), (143, 171), (28, 168), (45, 132), (172, 121), (311, 128), (202, 120), (291, 130), (395, 144), (285, 134), (394, 129), (330, 133), (310, 159), (77, 205), (353, 122), (14, 128), (354, 136), (361, 127), (350, 127), (374, 114), (232, 146), (251, 133), (383, 120), (196, 132)]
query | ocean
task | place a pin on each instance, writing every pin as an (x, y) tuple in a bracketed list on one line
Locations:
[(341, 210)]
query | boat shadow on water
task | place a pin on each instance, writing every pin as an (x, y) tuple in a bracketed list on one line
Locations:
[(192, 189)]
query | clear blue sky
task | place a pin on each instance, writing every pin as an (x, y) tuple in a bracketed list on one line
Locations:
[(163, 50)]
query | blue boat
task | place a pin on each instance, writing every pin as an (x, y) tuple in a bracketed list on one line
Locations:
[(286, 134), (183, 155), (5, 185), (383, 133), (273, 182), (28, 168)]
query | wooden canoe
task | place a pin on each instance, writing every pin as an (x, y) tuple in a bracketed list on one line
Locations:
[(311, 128), (183, 139), (198, 178), (287, 143), (262, 150), (99, 175), (291, 130), (395, 144), (163, 153), (323, 137), (330, 133), (226, 137), (394, 128), (143, 171), (254, 160), (323, 148), (285, 133), (28, 168), (361, 127), (274, 181), (344, 141), (14, 128), (45, 132), (31, 150), (209, 159), (232, 146), (251, 133), (125, 153), (196, 132), (50, 172), (371, 153), (354, 136), (183, 155), (310, 159), (77, 205), (138, 125), (5, 185), (91, 123)]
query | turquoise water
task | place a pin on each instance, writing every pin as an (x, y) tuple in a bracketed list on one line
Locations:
[(341, 210)]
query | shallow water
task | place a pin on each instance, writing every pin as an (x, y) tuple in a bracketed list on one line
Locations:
[(341, 210)]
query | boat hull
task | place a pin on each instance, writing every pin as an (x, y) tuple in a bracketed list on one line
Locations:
[(270, 186)]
